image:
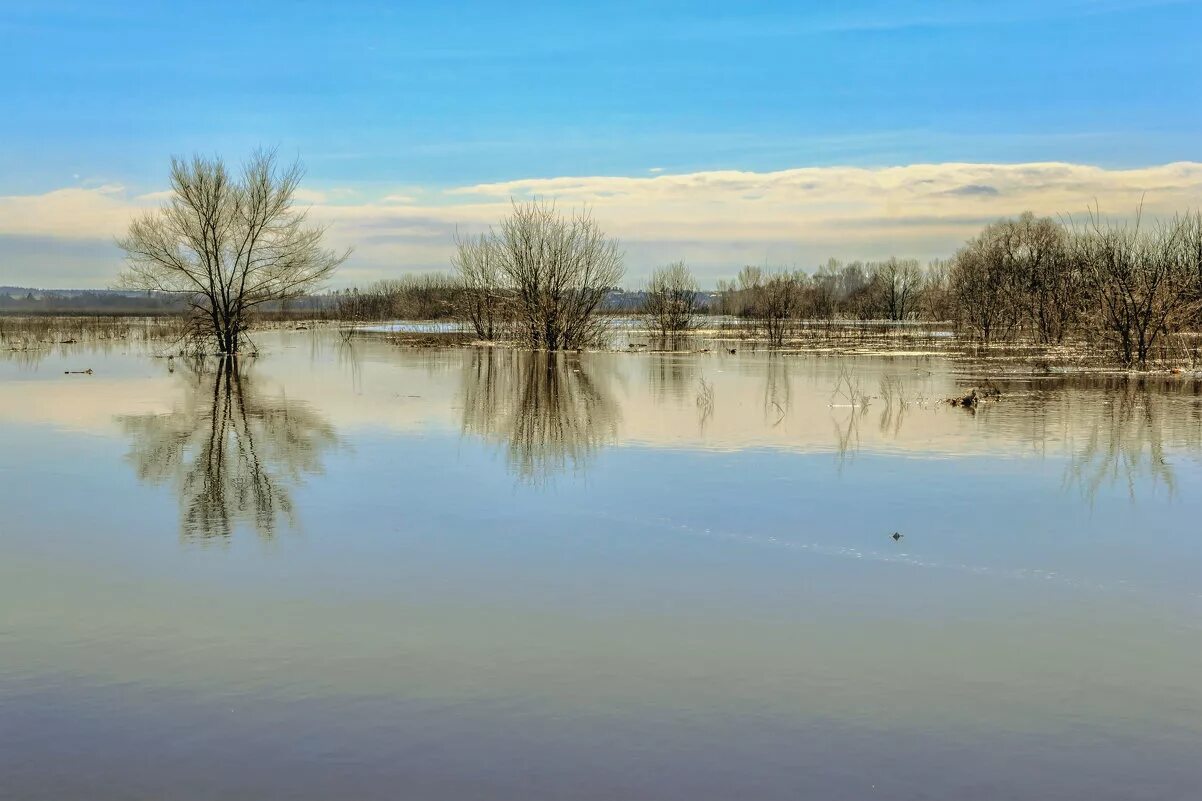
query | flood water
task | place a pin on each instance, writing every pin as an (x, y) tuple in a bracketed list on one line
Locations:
[(365, 572)]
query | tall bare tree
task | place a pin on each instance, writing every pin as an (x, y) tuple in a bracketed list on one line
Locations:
[(898, 283), (548, 273), (776, 304), (559, 270), (228, 243), (672, 299), (1048, 283), (482, 294), (1142, 282), (983, 284)]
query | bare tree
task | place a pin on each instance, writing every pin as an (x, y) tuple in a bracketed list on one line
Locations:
[(672, 299), (1142, 282), (824, 290), (898, 283), (483, 296), (558, 270), (1191, 256), (228, 243), (937, 302), (983, 285), (775, 305), (1047, 282)]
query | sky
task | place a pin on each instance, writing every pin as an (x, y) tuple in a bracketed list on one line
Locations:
[(778, 134)]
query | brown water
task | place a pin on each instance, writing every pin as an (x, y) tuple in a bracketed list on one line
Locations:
[(361, 572)]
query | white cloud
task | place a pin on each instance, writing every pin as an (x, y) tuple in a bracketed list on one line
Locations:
[(74, 213), (304, 195), (717, 220)]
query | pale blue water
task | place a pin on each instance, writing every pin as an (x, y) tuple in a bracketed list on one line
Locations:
[(373, 573)]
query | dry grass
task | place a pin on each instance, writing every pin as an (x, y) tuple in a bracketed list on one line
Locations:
[(42, 332)]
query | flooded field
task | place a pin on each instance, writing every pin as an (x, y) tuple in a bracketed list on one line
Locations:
[(352, 570)]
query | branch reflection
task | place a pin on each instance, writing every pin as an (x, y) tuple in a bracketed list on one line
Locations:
[(1124, 442), (549, 410), (232, 455)]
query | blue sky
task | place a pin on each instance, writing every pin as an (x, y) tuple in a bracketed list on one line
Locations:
[(387, 98)]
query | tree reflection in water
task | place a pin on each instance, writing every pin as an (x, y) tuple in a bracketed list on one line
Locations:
[(1124, 431), (671, 376), (231, 454), (1125, 441), (548, 409)]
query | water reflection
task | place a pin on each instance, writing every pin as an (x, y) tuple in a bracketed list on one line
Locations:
[(1112, 430), (671, 375), (551, 411), (1124, 443), (778, 391), (232, 454)]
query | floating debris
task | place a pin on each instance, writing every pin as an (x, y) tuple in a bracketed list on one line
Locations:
[(975, 397)]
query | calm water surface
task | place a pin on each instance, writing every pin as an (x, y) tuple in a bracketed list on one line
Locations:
[(360, 572)]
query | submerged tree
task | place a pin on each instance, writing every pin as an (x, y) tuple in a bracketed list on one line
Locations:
[(554, 271), (1142, 282), (672, 299), (983, 285), (775, 303), (228, 243), (898, 284), (482, 294), (1049, 282)]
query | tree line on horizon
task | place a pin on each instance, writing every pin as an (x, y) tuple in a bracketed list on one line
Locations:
[(1125, 286), (231, 244)]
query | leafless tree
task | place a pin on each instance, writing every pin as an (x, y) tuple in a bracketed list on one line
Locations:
[(983, 285), (1047, 283), (824, 290), (898, 283), (672, 299), (937, 302), (228, 243), (775, 305), (1191, 256), (558, 270), (1141, 281), (483, 296)]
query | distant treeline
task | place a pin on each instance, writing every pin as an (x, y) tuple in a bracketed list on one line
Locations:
[(1124, 286), (28, 301), (429, 296), (20, 300), (433, 296)]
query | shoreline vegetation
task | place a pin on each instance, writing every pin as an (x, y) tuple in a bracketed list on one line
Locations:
[(230, 252), (30, 337)]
